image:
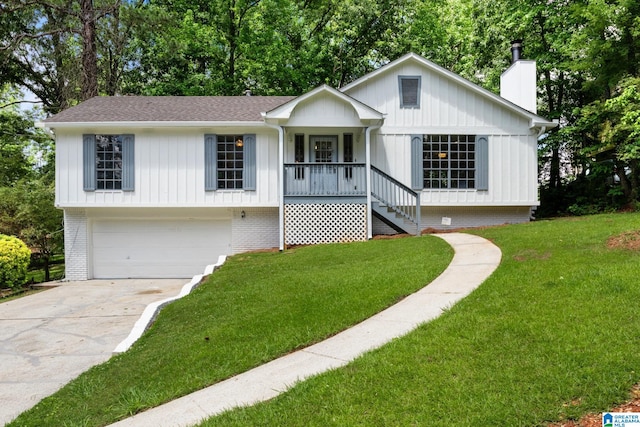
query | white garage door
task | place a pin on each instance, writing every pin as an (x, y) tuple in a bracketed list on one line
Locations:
[(126, 248)]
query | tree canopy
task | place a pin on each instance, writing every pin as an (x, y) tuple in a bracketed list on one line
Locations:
[(587, 51)]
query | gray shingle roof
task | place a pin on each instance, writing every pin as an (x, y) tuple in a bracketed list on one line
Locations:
[(170, 109)]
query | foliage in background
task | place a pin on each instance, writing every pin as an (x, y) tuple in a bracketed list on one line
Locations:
[(24, 149), (14, 261), (270, 47), (27, 210), (587, 52)]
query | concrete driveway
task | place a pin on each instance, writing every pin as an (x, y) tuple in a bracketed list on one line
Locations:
[(49, 338)]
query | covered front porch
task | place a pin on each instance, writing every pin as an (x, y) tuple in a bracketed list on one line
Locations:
[(328, 187)]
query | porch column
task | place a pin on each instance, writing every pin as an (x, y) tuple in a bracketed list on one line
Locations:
[(280, 182), (281, 186), (367, 148)]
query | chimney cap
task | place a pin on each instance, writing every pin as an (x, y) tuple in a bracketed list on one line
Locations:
[(516, 50)]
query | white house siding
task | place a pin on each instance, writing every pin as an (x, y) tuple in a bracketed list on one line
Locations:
[(512, 171), (169, 170), (76, 245), (518, 84), (324, 111), (258, 229), (445, 106)]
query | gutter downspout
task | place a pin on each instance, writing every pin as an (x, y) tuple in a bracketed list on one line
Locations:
[(280, 184), (367, 147), (542, 130)]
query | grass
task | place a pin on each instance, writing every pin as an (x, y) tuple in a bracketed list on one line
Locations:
[(256, 308), (10, 294), (552, 335), (56, 270)]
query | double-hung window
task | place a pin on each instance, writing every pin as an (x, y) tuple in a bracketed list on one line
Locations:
[(449, 162), (230, 162), (108, 162)]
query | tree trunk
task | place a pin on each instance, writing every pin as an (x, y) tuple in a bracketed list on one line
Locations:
[(47, 273), (635, 181), (554, 168), (625, 183), (89, 55), (114, 55)]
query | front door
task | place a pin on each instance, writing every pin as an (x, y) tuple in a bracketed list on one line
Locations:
[(324, 176)]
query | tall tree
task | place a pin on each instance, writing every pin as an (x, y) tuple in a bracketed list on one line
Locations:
[(18, 136), (226, 47), (44, 43)]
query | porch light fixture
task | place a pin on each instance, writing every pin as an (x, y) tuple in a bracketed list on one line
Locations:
[(243, 214), (239, 142)]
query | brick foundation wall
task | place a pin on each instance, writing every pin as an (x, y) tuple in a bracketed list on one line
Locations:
[(473, 216), (257, 230), (76, 243)]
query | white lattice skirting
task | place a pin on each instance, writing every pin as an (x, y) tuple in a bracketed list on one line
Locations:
[(308, 224)]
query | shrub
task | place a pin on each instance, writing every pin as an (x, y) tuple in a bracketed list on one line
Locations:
[(14, 261)]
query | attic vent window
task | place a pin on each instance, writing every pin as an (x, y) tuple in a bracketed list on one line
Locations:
[(409, 91)]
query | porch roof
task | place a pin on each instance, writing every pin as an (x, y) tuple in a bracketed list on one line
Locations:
[(283, 113)]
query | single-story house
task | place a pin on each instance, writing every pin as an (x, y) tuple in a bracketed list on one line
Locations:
[(161, 186)]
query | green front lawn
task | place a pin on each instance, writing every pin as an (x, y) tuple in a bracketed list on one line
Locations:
[(256, 308), (552, 335)]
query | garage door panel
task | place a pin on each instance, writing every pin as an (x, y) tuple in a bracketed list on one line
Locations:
[(157, 248), (201, 239)]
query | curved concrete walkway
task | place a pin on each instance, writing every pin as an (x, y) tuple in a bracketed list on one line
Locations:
[(474, 260)]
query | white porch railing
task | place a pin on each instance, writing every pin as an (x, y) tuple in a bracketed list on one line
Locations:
[(397, 199), (325, 179)]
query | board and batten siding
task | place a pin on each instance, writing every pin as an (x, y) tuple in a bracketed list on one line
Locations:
[(448, 108), (445, 106), (169, 170), (512, 167), (324, 111)]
